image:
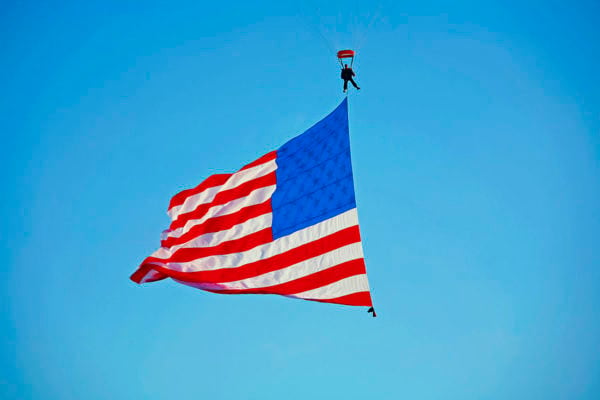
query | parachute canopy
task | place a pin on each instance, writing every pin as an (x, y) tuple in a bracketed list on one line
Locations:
[(345, 54)]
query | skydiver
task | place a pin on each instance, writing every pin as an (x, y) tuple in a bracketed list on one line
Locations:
[(347, 75)]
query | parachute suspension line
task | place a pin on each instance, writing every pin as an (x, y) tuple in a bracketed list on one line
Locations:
[(374, 17), (327, 42), (342, 64), (318, 30)]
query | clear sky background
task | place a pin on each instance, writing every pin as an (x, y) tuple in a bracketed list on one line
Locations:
[(476, 148)]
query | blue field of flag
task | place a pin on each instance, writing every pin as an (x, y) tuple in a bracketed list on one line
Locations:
[(314, 175)]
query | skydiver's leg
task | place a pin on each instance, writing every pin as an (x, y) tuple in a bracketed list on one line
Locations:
[(345, 84), (354, 83)]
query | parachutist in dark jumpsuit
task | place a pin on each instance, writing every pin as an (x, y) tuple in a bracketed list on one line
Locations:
[(347, 75)]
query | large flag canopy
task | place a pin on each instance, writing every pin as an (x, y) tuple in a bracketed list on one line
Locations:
[(284, 224)]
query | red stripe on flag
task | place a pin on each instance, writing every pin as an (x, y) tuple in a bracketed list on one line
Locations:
[(141, 272), (224, 197), (354, 299), (264, 159), (309, 282), (295, 255), (211, 181), (221, 223), (246, 243)]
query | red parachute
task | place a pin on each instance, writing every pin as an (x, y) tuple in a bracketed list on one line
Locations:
[(342, 54)]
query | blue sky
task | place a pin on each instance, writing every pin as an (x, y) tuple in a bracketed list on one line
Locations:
[(476, 148)]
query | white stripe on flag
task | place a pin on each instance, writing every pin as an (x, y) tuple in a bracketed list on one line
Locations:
[(343, 287), (291, 273), (238, 231), (278, 246), (257, 196), (208, 195)]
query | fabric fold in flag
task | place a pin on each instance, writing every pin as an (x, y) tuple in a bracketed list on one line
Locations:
[(285, 224)]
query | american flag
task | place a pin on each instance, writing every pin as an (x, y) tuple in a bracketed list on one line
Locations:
[(284, 224)]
